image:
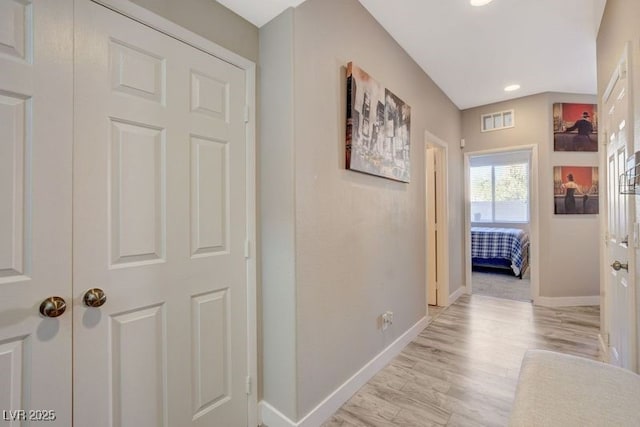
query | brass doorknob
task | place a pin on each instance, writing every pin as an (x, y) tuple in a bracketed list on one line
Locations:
[(94, 297), (53, 307), (617, 265)]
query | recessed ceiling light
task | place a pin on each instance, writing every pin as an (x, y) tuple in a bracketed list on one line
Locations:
[(479, 2), (511, 88)]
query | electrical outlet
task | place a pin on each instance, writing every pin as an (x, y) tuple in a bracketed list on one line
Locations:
[(387, 319)]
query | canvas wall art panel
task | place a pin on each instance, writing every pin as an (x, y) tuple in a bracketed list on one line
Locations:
[(378, 128), (575, 189), (575, 127)]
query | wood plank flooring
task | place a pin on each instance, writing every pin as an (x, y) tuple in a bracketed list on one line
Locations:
[(463, 368)]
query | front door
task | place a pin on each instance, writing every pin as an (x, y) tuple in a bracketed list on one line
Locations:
[(36, 129), (159, 229), (620, 284)]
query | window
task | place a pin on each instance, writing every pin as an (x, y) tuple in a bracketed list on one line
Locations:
[(496, 121), (499, 187)]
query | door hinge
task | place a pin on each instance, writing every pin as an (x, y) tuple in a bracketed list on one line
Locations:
[(605, 338), (247, 248), (246, 114), (248, 385), (623, 70)]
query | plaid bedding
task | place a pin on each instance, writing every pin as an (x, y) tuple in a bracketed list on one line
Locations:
[(505, 243)]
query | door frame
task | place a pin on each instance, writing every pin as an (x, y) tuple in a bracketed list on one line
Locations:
[(621, 71), (442, 204), (158, 23), (534, 245)]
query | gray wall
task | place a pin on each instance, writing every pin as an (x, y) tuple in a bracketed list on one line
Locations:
[(569, 244), (211, 20), (277, 214), (359, 246)]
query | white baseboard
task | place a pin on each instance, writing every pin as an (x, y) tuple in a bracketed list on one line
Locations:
[(566, 301), (457, 294), (271, 417)]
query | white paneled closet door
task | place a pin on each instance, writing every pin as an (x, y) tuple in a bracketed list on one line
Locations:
[(36, 129), (159, 228), (156, 169)]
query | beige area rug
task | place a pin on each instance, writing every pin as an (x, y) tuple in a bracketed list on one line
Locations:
[(500, 284)]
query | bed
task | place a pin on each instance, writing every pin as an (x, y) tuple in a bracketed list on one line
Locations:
[(500, 248)]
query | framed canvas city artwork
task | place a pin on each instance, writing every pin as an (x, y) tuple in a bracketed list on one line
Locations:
[(378, 128), (575, 127)]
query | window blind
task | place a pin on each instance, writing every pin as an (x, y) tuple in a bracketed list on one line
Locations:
[(500, 189)]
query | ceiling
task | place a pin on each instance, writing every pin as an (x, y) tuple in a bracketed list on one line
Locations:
[(472, 53)]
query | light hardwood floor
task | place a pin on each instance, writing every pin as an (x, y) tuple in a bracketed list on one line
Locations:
[(462, 369)]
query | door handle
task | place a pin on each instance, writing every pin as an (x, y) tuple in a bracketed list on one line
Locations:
[(617, 265), (53, 307), (94, 298)]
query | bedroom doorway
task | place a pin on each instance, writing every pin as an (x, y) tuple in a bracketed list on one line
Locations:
[(437, 262), (501, 217)]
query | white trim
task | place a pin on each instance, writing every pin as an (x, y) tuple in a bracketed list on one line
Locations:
[(534, 216), (429, 258), (467, 223), (620, 72), (252, 261), (158, 23), (567, 301), (502, 113), (271, 417), (534, 226), (604, 348), (173, 30), (443, 200), (603, 176), (457, 294)]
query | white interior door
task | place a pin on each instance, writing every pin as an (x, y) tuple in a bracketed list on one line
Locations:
[(160, 227), (35, 209), (620, 284)]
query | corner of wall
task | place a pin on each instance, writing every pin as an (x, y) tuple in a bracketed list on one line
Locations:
[(277, 217)]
